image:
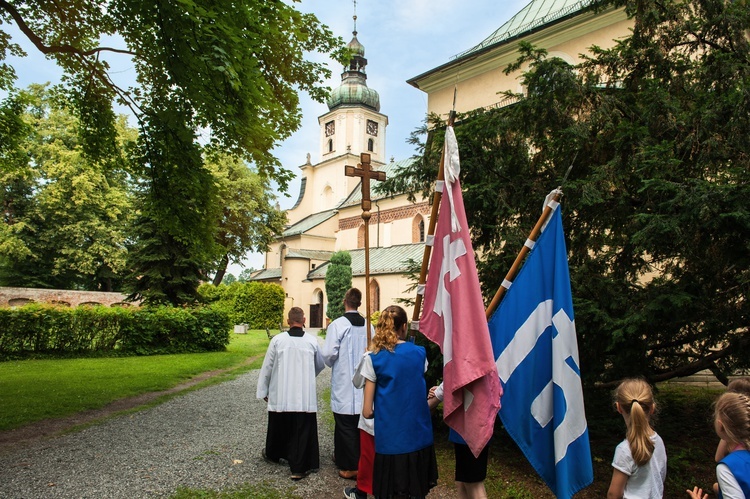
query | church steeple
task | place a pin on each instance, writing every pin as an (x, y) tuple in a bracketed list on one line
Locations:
[(353, 90)]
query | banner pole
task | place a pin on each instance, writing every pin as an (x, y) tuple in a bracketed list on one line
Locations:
[(533, 236), (436, 197)]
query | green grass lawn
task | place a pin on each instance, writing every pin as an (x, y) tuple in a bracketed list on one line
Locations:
[(32, 390)]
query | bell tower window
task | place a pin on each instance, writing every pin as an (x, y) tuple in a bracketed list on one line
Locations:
[(370, 145)]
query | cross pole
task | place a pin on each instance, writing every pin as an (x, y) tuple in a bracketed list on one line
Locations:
[(364, 171)]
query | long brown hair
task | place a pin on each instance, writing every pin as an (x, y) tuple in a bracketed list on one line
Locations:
[(390, 322), (636, 400)]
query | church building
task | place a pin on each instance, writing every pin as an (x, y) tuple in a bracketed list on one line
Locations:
[(327, 214)]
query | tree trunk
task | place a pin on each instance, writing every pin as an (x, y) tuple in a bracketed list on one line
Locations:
[(221, 271)]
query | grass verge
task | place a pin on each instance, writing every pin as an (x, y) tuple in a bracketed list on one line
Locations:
[(33, 390)]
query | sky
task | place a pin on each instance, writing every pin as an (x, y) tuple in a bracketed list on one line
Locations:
[(402, 39)]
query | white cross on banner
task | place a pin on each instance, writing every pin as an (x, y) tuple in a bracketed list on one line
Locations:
[(533, 332), (453, 317)]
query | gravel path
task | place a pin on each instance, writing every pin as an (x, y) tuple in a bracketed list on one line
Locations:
[(210, 438)]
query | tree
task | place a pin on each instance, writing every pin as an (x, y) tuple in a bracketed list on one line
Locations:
[(67, 213), (229, 278), (246, 274), (655, 206), (224, 72), (248, 218), (338, 281)]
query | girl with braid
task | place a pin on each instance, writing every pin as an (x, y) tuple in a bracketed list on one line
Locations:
[(640, 462), (732, 425), (395, 396)]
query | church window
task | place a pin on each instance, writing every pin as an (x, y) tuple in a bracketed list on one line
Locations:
[(370, 145), (361, 236), (330, 145), (417, 232), (330, 128), (374, 295)]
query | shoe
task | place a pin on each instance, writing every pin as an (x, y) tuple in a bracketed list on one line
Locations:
[(354, 493), (297, 476), (349, 475)]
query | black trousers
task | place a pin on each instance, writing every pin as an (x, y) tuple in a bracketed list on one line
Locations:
[(294, 436), (346, 441)]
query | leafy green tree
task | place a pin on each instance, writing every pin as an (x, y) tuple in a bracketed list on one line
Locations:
[(655, 208), (338, 281), (224, 72), (245, 275), (229, 278), (249, 220), (67, 212)]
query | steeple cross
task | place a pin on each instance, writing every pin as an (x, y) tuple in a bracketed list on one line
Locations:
[(363, 170)]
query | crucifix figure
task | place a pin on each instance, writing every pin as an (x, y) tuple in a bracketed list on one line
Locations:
[(364, 171)]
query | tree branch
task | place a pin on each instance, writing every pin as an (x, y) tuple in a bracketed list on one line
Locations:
[(54, 49), (707, 362)]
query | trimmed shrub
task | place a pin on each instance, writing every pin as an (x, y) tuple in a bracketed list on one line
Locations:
[(260, 305), (61, 331)]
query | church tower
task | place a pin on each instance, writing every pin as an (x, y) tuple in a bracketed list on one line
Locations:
[(352, 125)]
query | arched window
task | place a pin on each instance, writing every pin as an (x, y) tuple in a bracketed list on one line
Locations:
[(281, 254), (370, 145), (374, 296), (417, 229), (328, 197), (361, 236), (330, 145)]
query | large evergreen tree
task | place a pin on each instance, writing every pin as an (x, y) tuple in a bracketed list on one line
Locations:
[(338, 281), (655, 208)]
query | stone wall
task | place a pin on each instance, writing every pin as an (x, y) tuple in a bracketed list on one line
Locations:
[(10, 297)]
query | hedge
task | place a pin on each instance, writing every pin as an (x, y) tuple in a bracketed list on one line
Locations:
[(36, 329), (257, 304)]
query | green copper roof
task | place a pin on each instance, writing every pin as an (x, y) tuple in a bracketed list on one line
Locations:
[(353, 90), (391, 260), (309, 254), (308, 223), (537, 14), (266, 274)]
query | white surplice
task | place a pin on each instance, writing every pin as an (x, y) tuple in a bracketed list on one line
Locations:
[(288, 374)]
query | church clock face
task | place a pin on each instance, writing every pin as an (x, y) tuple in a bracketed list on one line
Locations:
[(372, 128), (330, 128)]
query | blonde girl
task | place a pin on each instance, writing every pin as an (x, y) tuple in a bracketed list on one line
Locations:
[(640, 462), (732, 425), (395, 396)]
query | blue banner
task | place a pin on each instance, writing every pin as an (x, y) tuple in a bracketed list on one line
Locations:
[(533, 333)]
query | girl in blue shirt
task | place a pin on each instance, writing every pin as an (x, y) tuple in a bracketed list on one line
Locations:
[(405, 463)]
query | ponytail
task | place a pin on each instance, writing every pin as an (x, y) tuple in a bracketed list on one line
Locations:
[(390, 322), (637, 401), (733, 410)]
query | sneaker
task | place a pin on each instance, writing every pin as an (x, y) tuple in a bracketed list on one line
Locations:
[(354, 493)]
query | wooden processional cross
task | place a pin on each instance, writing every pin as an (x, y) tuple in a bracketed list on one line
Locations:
[(363, 170)]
